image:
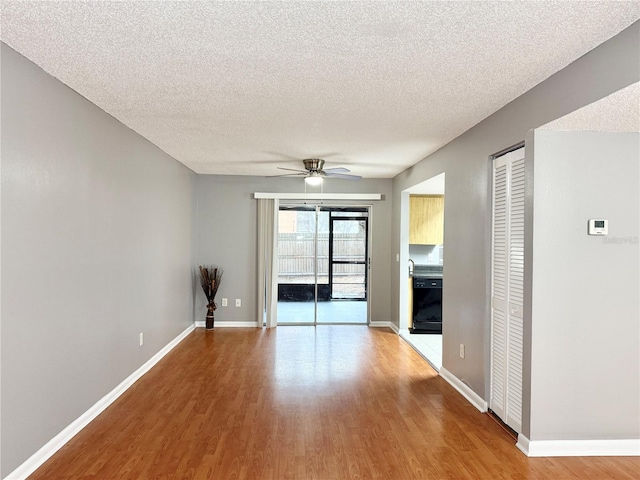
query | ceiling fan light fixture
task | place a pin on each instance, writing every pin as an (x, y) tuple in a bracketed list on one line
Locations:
[(314, 179), (314, 174)]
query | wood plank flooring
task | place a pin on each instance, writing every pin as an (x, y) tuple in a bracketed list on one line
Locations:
[(330, 402)]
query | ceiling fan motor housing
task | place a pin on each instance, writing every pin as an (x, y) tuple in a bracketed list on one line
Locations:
[(313, 164)]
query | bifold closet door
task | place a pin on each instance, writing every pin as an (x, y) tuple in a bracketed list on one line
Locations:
[(507, 288)]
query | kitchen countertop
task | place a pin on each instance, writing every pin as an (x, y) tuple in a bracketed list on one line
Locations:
[(426, 271), (425, 275)]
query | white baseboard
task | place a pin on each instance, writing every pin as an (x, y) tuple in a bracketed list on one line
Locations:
[(202, 324), (579, 448), (464, 390), (57, 442), (390, 325)]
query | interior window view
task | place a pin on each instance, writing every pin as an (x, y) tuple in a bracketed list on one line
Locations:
[(322, 265)]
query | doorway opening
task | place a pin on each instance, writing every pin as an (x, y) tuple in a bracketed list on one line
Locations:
[(423, 245), (323, 265)]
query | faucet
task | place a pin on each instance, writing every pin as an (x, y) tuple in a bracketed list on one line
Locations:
[(412, 267)]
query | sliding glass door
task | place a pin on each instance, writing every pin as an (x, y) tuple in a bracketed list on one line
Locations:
[(322, 265), (298, 275)]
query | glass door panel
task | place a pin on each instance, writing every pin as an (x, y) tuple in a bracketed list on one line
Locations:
[(348, 267), (322, 261), (322, 265), (348, 251), (297, 265)]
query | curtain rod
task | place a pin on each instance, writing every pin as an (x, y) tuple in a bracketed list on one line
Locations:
[(319, 196)]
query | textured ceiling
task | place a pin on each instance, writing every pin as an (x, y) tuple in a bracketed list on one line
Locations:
[(618, 112), (242, 87)]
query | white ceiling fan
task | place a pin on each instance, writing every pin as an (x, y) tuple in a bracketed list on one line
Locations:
[(314, 173)]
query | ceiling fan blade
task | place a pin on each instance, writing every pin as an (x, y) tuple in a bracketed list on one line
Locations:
[(343, 176), (337, 170), (293, 170), (301, 174)]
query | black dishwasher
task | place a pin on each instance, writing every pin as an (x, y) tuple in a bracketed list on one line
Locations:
[(427, 305)]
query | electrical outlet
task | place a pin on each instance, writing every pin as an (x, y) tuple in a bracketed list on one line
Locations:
[(238, 302), (462, 350), (397, 257), (141, 339), (225, 302)]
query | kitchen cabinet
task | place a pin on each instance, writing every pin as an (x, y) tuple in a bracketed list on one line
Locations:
[(426, 219)]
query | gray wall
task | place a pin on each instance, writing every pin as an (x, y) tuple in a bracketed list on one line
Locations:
[(98, 240), (585, 340), (467, 235), (227, 236), (96, 248)]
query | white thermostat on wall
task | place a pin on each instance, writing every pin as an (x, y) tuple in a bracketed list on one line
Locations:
[(598, 227)]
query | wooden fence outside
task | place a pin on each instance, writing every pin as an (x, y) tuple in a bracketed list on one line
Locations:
[(296, 254)]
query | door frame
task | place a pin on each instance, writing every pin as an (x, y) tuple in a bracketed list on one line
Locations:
[(317, 205)]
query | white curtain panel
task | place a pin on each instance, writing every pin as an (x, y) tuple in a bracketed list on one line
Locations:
[(267, 262)]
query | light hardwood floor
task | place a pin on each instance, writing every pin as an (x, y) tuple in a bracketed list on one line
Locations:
[(330, 402)]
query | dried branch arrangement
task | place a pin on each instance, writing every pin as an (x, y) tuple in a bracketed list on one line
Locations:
[(210, 279)]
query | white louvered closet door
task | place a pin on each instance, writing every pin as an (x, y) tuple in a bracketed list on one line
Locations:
[(507, 264)]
